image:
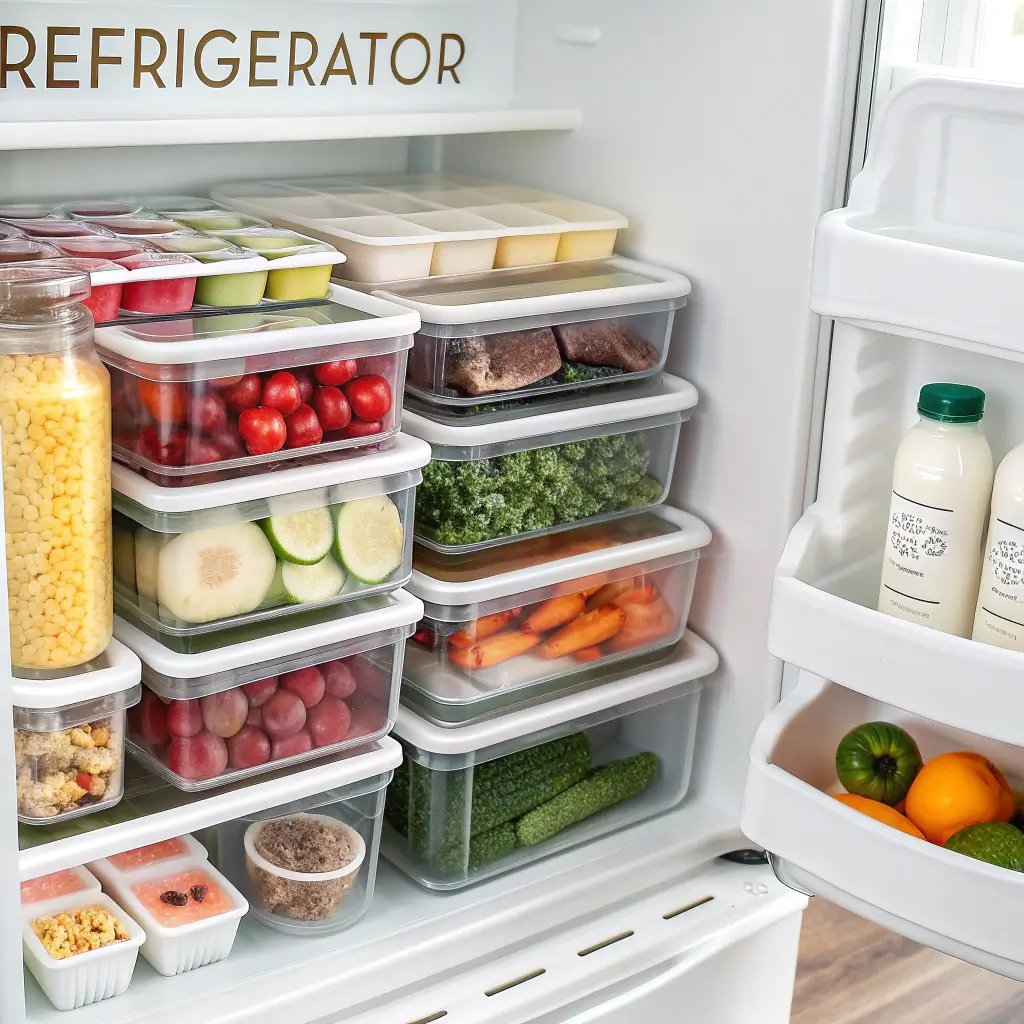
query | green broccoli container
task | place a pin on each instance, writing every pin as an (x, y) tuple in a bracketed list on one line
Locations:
[(474, 801), (528, 471)]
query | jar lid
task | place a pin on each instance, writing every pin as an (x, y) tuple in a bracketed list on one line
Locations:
[(951, 403), (27, 289)]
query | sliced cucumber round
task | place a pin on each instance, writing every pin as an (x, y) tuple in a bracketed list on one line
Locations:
[(276, 594), (305, 583), (214, 574), (370, 538), (147, 553), (304, 538)]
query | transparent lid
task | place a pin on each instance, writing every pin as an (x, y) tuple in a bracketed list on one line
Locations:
[(26, 289), (171, 205), (98, 246), (88, 264), (275, 242), (133, 226), (136, 261), (201, 246), (220, 220), (25, 210), (87, 208), (54, 227), (25, 250), (10, 231)]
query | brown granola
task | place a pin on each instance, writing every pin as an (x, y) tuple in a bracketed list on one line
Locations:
[(78, 931)]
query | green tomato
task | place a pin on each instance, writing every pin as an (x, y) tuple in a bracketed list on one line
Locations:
[(878, 760)]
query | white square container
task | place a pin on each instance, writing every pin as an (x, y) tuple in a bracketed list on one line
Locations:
[(477, 800), (116, 870), (88, 977), (513, 334), (173, 950), (230, 528), (71, 881), (529, 472), (493, 620), (342, 674)]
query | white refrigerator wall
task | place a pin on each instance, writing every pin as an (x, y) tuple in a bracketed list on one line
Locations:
[(720, 129)]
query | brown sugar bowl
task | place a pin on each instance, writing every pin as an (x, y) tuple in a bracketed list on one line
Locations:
[(302, 866)]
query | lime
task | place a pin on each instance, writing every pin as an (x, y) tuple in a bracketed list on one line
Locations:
[(996, 842)]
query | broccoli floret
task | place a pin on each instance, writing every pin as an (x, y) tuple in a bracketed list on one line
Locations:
[(579, 373)]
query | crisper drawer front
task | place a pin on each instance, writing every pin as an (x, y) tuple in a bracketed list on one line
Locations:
[(953, 902)]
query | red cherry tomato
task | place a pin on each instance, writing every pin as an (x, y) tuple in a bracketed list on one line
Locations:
[(341, 371), (363, 428), (304, 375), (207, 413), (332, 407), (199, 452), (370, 397), (262, 430), (83, 780), (281, 392), (245, 394), (164, 451), (304, 428), (167, 403)]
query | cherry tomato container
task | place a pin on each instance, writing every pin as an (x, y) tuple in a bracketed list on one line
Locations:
[(164, 295), (199, 398), (104, 300), (254, 704)]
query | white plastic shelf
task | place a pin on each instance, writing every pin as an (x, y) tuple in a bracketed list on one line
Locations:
[(962, 906), (15, 135)]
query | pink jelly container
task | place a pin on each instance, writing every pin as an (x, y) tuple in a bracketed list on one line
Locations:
[(22, 250), (10, 231), (167, 295), (136, 225), (90, 208), (53, 227), (105, 299), (25, 211), (101, 247)]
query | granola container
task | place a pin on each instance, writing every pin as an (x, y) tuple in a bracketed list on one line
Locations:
[(527, 333)]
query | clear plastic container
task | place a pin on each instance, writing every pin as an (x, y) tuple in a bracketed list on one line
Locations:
[(218, 290), (523, 476), (25, 211), (99, 247), (241, 392), (26, 250), (55, 432), (525, 622), (514, 334), (104, 300), (143, 224), (474, 801), (58, 884), (164, 296), (200, 559), (213, 718), (87, 209), (54, 227)]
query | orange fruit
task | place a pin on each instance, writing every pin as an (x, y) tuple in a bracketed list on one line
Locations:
[(955, 790), (880, 812)]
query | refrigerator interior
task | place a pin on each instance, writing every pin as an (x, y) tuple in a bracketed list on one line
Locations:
[(721, 131)]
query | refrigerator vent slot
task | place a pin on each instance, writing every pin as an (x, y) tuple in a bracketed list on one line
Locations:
[(522, 980), (430, 1018), (606, 943), (689, 906)]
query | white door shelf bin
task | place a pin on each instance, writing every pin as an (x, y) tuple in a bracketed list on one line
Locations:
[(962, 906), (931, 242)]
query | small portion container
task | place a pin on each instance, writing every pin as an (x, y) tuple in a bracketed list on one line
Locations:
[(220, 220), (524, 622), (120, 868), (285, 697), (244, 392), (171, 206), (515, 334), (100, 247), (199, 559), (139, 226), (164, 295), (55, 435), (88, 977), (516, 477), (474, 801), (88, 209), (219, 290), (104, 300), (54, 227), (9, 231), (26, 250), (58, 884), (189, 910), (25, 211), (308, 275)]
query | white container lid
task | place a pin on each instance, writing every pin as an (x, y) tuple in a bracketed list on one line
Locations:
[(535, 291), (402, 609), (187, 339), (674, 395), (696, 660), (405, 455), (689, 534), (115, 670)]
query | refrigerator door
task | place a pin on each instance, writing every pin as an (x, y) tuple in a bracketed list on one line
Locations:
[(923, 273)]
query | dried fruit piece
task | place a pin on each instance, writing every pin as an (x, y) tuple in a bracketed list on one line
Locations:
[(174, 898), (198, 892)]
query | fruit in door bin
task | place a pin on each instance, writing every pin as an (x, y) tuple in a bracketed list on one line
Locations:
[(880, 812), (249, 747), (199, 757), (338, 372), (369, 396), (878, 760), (290, 746), (996, 842), (259, 692), (208, 413), (328, 722), (224, 713), (282, 392), (153, 719), (363, 428), (167, 403), (184, 718), (307, 383), (283, 715), (332, 407), (338, 679), (263, 431), (303, 428), (955, 790), (244, 393), (307, 684)]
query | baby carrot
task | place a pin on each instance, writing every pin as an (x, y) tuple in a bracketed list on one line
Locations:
[(554, 613), (494, 650), (483, 628), (589, 630)]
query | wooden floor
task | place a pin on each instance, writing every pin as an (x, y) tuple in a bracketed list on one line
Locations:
[(853, 972)]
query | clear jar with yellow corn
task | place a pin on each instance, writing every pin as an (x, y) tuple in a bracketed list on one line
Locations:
[(55, 439)]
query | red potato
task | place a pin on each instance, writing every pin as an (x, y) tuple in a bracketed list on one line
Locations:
[(282, 392), (244, 394), (184, 718), (224, 713), (262, 430), (290, 746), (339, 680), (259, 692), (341, 371), (307, 383), (200, 453), (283, 715), (255, 717), (303, 428), (332, 407), (362, 428), (368, 716), (307, 683), (329, 722), (369, 396), (203, 756), (153, 719), (207, 413), (248, 747)]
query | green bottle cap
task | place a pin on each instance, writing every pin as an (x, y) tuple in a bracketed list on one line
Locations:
[(951, 403)]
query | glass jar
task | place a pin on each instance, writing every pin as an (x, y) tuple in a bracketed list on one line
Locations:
[(55, 434)]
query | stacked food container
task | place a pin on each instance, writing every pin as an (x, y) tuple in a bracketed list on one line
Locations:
[(550, 691)]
